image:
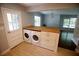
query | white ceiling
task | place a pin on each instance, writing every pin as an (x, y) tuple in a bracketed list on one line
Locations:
[(30, 4), (67, 11)]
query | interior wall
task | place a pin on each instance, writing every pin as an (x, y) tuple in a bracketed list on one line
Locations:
[(28, 19), (52, 17), (1, 19), (13, 6), (52, 20), (3, 39), (42, 19)]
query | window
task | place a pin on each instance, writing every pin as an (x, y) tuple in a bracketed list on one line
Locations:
[(37, 20), (69, 23), (66, 23), (72, 22), (13, 21)]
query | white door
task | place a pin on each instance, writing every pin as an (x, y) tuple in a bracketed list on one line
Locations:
[(13, 26)]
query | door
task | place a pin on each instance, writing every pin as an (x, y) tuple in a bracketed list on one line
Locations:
[(67, 26), (13, 26)]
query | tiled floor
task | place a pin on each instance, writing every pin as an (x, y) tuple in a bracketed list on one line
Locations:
[(27, 49)]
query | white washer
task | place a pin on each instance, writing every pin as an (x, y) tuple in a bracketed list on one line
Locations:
[(36, 38), (27, 35)]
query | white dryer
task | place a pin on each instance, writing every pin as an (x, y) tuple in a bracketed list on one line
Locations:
[(36, 38), (27, 35)]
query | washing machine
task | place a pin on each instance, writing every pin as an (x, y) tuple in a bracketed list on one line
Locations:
[(36, 38), (27, 35)]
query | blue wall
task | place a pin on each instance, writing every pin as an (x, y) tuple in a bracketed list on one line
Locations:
[(52, 17)]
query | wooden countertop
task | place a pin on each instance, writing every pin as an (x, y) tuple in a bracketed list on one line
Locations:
[(45, 29)]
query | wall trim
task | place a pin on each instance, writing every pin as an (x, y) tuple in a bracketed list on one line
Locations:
[(4, 52), (75, 41)]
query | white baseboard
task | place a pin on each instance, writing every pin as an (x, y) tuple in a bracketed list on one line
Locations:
[(75, 40), (4, 52)]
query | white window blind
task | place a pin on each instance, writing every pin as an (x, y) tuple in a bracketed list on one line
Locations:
[(13, 21), (69, 23), (37, 20)]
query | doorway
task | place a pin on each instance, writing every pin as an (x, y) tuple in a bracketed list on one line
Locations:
[(67, 26)]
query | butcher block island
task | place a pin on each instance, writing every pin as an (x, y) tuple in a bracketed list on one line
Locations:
[(45, 37)]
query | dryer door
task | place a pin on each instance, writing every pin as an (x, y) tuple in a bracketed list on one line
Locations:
[(35, 38), (26, 35)]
